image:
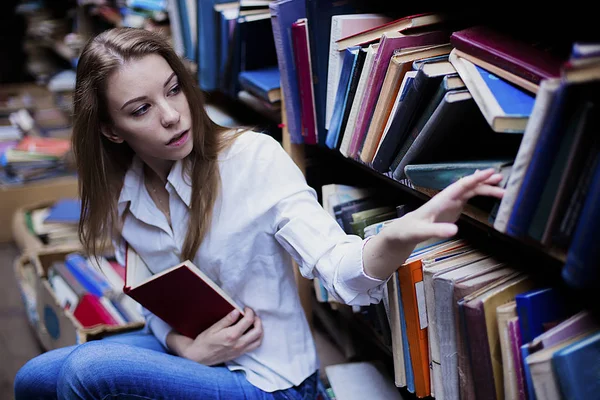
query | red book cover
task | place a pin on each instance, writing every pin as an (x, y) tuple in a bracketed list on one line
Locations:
[(90, 312), (516, 56), (403, 24), (182, 296), (390, 42), (305, 83)]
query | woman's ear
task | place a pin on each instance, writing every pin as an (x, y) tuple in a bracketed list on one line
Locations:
[(110, 134)]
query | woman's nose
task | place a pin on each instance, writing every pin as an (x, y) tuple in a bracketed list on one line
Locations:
[(170, 115)]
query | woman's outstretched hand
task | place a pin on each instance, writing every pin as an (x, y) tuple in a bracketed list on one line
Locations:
[(435, 219)]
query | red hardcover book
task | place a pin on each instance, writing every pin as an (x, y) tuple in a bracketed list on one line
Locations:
[(389, 42), (182, 296), (305, 83), (516, 56), (403, 24), (90, 312)]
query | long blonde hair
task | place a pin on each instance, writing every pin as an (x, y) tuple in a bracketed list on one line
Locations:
[(102, 164)]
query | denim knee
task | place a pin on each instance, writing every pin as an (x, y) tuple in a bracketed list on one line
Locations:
[(37, 378), (81, 375)]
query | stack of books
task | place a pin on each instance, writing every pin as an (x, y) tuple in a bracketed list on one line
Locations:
[(91, 289)]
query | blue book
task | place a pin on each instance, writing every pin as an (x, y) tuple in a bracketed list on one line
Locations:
[(204, 54), (568, 98), (89, 278), (410, 375), (227, 22), (583, 257), (319, 13), (538, 310), (346, 72), (65, 211), (264, 83), (283, 14), (186, 30), (576, 367), (505, 106)]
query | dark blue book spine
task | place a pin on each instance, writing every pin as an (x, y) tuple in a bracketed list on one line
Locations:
[(283, 15), (321, 11), (567, 99), (350, 58), (581, 269)]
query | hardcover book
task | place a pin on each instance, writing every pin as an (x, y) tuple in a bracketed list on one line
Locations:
[(182, 296)]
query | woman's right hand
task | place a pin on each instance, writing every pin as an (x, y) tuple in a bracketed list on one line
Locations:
[(227, 339)]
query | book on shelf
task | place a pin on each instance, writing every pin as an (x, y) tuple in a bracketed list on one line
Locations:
[(531, 135), (502, 73), (438, 176), (446, 327), (262, 82), (571, 364), (518, 56), (481, 328), (466, 289), (343, 26), (181, 295), (418, 94), (410, 277), (565, 105), (504, 313), (283, 14), (506, 107), (353, 62), (301, 47), (346, 139), (449, 83), (544, 380), (538, 310), (401, 25), (583, 257), (320, 13), (400, 63), (390, 41)]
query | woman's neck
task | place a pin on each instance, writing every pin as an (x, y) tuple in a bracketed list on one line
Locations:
[(160, 168)]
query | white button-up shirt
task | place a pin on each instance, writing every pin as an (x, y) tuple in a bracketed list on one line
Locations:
[(265, 211)]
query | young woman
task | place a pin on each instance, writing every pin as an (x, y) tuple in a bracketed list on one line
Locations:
[(157, 174)]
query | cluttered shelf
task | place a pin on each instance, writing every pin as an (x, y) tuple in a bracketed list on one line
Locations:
[(472, 215)]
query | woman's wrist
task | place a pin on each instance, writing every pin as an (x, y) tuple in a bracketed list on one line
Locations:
[(386, 251), (178, 344)]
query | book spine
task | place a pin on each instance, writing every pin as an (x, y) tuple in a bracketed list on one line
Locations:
[(289, 84), (481, 365), (581, 268), (539, 114), (538, 168), (503, 61)]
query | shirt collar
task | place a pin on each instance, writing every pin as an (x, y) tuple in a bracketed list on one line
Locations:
[(133, 185)]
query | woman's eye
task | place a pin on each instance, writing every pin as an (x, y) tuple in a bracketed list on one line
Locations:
[(174, 90), (141, 111)]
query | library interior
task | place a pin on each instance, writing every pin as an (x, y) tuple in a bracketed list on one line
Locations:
[(280, 276)]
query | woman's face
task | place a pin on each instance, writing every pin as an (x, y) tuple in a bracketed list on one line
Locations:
[(149, 110)]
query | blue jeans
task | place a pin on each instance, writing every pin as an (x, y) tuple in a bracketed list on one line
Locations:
[(136, 366)]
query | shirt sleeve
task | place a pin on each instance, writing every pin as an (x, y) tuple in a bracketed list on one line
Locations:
[(314, 239), (159, 328)]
